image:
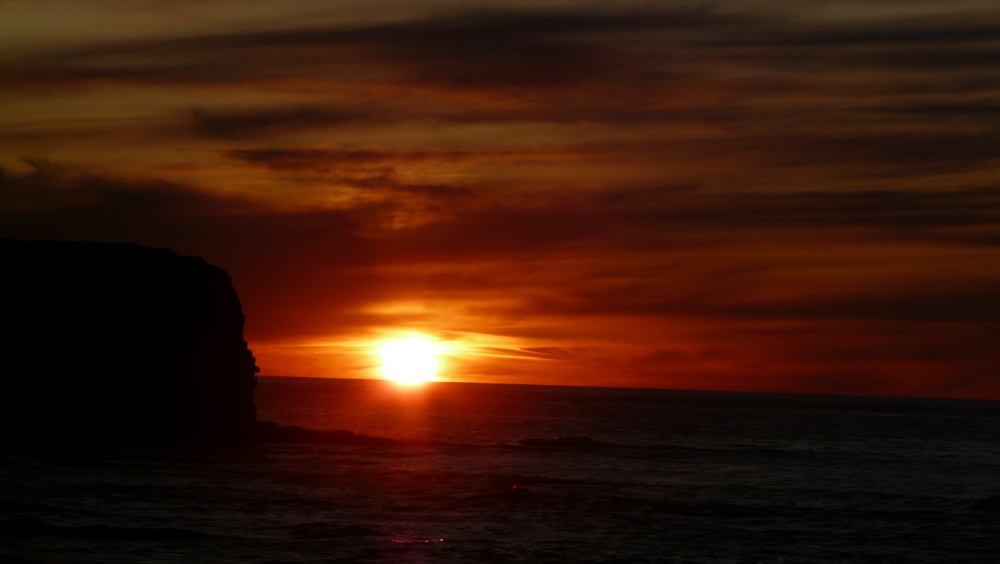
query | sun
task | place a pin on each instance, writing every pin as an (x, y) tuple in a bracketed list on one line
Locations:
[(412, 360)]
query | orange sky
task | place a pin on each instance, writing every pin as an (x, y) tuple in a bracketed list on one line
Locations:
[(785, 196)]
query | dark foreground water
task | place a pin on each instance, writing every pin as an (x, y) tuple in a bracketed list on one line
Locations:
[(497, 473)]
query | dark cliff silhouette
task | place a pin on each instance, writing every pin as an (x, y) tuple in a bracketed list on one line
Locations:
[(116, 341)]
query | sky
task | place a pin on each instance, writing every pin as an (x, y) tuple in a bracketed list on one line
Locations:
[(773, 196)]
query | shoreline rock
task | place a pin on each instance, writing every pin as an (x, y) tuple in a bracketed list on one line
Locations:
[(118, 341)]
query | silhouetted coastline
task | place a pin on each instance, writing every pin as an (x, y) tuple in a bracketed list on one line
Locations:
[(118, 344), (111, 342)]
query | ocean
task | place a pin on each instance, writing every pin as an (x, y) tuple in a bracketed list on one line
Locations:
[(514, 473)]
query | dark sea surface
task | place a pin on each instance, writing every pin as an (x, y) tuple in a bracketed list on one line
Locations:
[(508, 473)]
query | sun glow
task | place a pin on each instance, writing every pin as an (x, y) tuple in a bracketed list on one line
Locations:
[(412, 360)]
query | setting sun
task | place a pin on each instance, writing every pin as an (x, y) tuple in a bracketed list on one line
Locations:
[(412, 360)]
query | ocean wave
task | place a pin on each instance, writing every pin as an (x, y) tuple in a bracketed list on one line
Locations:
[(29, 527), (989, 504), (268, 431), (511, 480), (574, 442), (325, 530)]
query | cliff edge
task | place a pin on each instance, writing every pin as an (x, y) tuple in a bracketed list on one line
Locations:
[(116, 341)]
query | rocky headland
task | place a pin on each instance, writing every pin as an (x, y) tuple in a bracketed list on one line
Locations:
[(120, 342)]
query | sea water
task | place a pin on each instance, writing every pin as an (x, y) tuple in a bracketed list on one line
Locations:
[(510, 473)]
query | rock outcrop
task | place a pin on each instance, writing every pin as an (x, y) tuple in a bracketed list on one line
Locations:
[(114, 341)]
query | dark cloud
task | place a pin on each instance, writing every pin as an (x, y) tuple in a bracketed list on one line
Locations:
[(715, 68), (610, 52), (556, 353), (732, 197), (898, 32), (540, 353), (52, 188), (296, 271), (476, 50), (922, 150), (961, 303), (979, 108), (325, 160), (300, 272), (666, 217), (247, 123), (62, 200), (617, 106)]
